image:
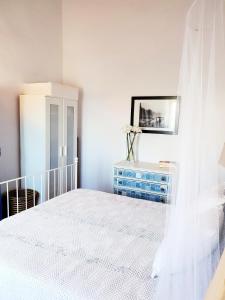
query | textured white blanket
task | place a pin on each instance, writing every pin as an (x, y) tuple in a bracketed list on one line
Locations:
[(83, 245)]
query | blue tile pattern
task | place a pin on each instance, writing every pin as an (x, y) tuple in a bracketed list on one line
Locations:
[(138, 184), (141, 175), (144, 185), (140, 195)]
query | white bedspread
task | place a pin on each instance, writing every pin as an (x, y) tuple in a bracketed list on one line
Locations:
[(83, 245)]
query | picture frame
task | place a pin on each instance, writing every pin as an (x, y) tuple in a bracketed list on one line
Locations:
[(156, 114)]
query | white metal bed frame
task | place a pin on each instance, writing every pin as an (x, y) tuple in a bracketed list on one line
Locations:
[(48, 190)]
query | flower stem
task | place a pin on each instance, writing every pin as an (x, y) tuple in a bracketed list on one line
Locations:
[(130, 143), (128, 147)]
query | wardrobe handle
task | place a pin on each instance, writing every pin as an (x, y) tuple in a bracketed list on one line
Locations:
[(60, 151), (65, 151)]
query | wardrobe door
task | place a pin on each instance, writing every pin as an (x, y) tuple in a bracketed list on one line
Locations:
[(70, 139), (54, 143)]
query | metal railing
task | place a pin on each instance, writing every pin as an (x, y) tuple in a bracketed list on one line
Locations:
[(37, 188)]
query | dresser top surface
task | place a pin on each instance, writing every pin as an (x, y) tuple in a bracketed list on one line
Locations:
[(146, 166)]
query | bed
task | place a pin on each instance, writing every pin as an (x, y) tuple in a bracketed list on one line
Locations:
[(81, 245)]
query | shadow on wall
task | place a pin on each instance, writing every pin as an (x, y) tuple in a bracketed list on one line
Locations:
[(79, 131), (9, 132), (79, 140)]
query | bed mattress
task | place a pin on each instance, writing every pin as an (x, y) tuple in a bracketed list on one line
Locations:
[(83, 245)]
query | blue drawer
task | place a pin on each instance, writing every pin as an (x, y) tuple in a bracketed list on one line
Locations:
[(143, 185), (149, 176), (140, 195)]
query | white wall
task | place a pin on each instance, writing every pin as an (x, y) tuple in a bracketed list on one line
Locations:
[(30, 51), (114, 50)]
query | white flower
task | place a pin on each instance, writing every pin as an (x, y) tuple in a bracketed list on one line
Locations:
[(136, 129), (127, 129)]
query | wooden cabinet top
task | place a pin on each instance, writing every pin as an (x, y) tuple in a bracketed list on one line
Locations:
[(52, 89), (145, 166)]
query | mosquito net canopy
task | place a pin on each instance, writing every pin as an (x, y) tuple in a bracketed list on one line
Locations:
[(190, 251)]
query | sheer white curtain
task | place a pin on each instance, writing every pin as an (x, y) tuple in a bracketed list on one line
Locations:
[(190, 251)]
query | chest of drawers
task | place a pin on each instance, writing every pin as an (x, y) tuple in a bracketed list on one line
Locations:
[(142, 180)]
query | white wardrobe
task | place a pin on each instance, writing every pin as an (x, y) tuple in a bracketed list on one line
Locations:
[(48, 127)]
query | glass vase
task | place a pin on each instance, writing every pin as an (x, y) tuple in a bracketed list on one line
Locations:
[(130, 148)]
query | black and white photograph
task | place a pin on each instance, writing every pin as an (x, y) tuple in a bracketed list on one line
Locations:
[(158, 114)]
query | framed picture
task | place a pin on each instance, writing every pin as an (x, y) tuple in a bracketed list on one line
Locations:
[(158, 114)]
